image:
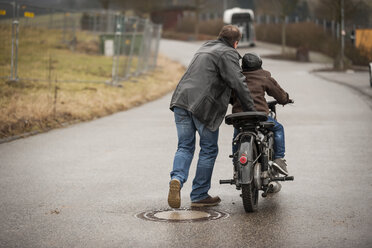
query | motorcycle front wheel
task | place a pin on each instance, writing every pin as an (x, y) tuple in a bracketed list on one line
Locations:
[(250, 197)]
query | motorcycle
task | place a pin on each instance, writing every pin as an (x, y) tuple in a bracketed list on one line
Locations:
[(253, 160)]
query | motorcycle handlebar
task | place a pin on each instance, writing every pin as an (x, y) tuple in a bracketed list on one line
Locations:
[(274, 102), (271, 103)]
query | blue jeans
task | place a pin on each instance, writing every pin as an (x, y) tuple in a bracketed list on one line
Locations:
[(279, 139), (187, 125)]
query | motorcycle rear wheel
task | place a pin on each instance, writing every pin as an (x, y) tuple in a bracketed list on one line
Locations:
[(250, 197)]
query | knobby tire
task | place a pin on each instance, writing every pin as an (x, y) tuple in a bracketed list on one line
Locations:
[(250, 197)]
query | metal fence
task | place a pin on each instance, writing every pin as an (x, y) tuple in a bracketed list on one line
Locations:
[(138, 51), (95, 46), (330, 27)]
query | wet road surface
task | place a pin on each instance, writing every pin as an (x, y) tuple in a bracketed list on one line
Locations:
[(81, 186)]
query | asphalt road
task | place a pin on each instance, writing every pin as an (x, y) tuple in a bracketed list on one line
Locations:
[(81, 186)]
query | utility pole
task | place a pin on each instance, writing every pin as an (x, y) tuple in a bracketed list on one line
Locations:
[(342, 36)]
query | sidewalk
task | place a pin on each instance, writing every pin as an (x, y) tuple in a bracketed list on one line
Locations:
[(356, 80), (314, 57)]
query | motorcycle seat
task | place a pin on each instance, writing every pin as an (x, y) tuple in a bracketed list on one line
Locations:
[(243, 118)]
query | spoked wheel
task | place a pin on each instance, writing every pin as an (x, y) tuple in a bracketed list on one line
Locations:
[(250, 197)]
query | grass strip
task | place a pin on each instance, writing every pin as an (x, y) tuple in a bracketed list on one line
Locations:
[(32, 107)]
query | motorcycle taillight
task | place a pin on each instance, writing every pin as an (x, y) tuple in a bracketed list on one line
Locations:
[(243, 159)]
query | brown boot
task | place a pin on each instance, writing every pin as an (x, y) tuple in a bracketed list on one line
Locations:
[(174, 195), (208, 202)]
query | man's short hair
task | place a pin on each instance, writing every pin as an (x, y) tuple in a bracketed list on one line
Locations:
[(230, 33)]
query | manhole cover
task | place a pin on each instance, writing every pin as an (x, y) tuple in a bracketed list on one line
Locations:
[(182, 215)]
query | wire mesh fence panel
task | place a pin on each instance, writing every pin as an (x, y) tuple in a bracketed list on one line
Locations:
[(128, 45), (81, 53), (49, 44), (154, 46), (98, 21), (84, 58), (143, 24), (137, 41), (123, 42), (34, 43), (142, 65), (6, 20), (69, 22), (116, 42)]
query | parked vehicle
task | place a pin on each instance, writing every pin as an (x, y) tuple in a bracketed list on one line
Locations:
[(244, 19), (252, 163), (363, 39)]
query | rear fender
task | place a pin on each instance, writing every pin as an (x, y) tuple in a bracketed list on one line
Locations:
[(246, 171)]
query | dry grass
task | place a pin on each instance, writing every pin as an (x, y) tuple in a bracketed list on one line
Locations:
[(32, 106), (28, 106)]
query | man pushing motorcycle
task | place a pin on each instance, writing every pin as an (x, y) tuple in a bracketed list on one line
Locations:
[(199, 104)]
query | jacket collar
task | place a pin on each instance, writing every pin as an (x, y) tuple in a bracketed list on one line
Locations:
[(224, 41)]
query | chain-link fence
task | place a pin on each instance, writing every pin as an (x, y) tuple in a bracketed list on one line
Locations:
[(138, 51), (95, 46), (6, 34)]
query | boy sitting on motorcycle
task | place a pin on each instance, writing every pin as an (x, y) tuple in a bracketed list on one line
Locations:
[(260, 81)]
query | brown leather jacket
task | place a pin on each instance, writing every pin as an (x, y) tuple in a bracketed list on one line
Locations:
[(259, 82)]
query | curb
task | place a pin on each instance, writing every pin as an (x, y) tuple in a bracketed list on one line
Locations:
[(28, 134), (357, 89), (20, 136)]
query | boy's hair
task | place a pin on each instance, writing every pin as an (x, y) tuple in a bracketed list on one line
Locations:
[(230, 33), (251, 62)]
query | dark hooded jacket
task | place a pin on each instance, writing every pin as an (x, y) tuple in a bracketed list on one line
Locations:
[(205, 88), (260, 81)]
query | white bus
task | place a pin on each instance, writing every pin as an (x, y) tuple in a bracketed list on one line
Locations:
[(244, 19)]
